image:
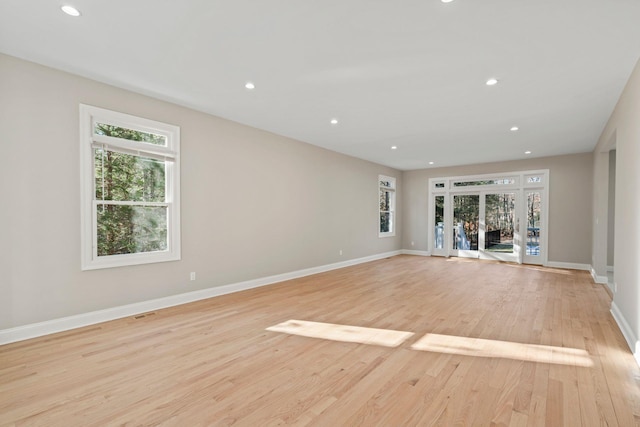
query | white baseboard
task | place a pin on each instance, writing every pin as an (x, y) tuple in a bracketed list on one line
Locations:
[(611, 287), (603, 280), (627, 332), (568, 265), (418, 253), (34, 330)]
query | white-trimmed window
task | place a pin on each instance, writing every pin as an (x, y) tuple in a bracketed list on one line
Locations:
[(130, 189), (387, 206)]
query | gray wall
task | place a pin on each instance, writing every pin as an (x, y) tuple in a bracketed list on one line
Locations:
[(569, 202), (254, 204), (622, 132)]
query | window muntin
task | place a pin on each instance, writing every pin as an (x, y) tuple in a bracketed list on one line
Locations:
[(130, 189), (387, 199)]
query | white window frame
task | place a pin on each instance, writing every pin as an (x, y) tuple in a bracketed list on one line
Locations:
[(170, 153), (392, 190)]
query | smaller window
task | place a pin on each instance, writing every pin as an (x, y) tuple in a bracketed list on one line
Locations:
[(387, 206), (501, 181), (536, 180)]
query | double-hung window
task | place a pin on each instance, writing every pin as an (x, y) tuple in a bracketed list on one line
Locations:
[(387, 206), (130, 189)]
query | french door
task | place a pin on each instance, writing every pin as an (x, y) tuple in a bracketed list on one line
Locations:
[(500, 217), (484, 226)]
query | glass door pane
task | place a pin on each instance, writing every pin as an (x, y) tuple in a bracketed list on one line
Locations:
[(466, 216), (533, 224), (499, 223), (438, 233)]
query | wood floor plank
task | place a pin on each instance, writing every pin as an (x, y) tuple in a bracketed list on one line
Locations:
[(489, 344)]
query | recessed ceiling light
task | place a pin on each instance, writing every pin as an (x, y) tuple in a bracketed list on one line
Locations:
[(446, 1), (70, 10), (393, 147), (249, 85), (527, 152), (334, 121), (432, 162), (492, 82), (514, 129)]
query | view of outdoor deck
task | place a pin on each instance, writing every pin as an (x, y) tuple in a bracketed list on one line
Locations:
[(494, 240)]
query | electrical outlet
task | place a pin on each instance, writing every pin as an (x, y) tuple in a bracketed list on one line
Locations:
[(412, 243), (340, 251), (192, 276)]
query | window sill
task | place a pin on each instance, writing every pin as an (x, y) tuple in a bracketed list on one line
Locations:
[(127, 260)]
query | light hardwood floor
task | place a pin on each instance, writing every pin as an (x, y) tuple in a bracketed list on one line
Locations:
[(476, 343)]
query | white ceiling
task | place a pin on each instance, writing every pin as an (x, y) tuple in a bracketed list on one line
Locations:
[(406, 73)]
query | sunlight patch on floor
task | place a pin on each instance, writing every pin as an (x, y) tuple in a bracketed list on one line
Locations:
[(343, 333), (479, 347), (437, 343)]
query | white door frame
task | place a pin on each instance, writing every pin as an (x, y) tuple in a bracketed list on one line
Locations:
[(520, 183)]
